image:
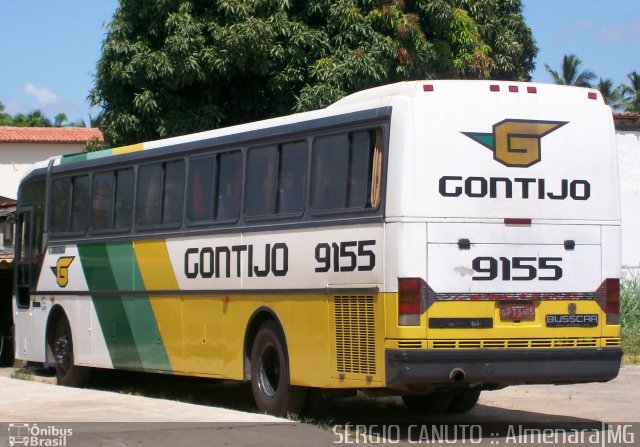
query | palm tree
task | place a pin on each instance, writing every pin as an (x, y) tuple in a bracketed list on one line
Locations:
[(570, 74), (610, 95), (631, 94)]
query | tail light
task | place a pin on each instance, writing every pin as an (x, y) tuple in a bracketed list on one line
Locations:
[(612, 306), (608, 297), (412, 300)]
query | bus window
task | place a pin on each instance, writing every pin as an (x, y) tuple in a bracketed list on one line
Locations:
[(173, 197), (330, 169), (123, 204), (80, 203), (160, 194), (346, 171), (229, 185), (70, 200), (102, 204), (359, 170), (60, 195), (293, 166), (275, 183), (201, 182), (262, 170), (149, 195), (112, 202)]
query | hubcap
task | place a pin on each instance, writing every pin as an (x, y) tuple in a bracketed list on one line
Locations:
[(62, 352), (269, 374)]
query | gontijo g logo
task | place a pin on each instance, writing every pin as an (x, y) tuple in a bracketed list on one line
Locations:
[(516, 143), (61, 270)]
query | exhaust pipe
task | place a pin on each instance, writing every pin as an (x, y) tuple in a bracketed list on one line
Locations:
[(457, 375)]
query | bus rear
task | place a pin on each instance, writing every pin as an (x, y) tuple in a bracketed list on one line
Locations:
[(502, 237)]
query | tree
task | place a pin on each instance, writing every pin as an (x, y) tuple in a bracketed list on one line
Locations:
[(31, 119), (5, 119), (569, 75), (610, 94), (631, 94), (35, 119), (173, 67)]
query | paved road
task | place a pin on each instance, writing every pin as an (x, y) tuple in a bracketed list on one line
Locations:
[(118, 415)]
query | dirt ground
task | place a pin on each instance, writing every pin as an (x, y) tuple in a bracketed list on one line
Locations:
[(125, 409)]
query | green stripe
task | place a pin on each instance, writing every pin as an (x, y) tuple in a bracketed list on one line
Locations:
[(83, 156), (110, 310), (139, 312)]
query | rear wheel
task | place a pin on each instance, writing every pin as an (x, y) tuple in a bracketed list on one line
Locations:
[(67, 373), (435, 403), (270, 382), (464, 400)]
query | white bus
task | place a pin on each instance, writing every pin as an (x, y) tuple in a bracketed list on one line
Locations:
[(427, 239)]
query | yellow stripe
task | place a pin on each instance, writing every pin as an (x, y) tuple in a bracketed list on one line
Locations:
[(157, 274), (127, 149)]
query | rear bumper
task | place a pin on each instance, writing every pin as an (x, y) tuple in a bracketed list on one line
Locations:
[(501, 366)]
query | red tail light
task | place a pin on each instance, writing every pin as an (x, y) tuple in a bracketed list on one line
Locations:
[(608, 297), (612, 307), (412, 301)]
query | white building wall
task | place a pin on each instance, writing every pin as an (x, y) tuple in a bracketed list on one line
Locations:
[(17, 158), (629, 161)]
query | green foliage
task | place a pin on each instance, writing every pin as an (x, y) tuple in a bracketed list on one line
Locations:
[(631, 93), (630, 315), (171, 67), (94, 144), (610, 94), (570, 74), (34, 119)]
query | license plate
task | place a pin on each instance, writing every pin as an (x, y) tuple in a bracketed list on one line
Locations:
[(517, 311)]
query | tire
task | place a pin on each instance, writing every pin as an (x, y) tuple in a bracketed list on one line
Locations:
[(270, 384), (6, 346), (67, 372), (435, 403), (464, 400)]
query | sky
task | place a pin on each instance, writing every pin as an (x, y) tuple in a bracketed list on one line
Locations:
[(49, 49)]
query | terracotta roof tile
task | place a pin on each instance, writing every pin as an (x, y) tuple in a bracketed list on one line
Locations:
[(627, 121), (48, 134)]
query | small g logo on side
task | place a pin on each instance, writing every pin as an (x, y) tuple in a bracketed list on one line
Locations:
[(62, 270)]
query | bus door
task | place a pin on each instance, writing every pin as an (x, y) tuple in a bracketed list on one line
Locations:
[(25, 267)]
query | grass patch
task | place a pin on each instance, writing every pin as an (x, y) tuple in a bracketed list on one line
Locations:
[(22, 374), (630, 318)]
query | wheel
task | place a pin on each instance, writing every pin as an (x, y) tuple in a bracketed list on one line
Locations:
[(6, 346), (435, 403), (67, 373), (270, 383), (464, 400)]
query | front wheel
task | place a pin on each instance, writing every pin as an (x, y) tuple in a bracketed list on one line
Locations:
[(67, 372), (270, 383)]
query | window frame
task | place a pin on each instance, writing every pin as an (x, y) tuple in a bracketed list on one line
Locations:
[(380, 152), (68, 231), (162, 162), (278, 145), (215, 154), (113, 229)]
